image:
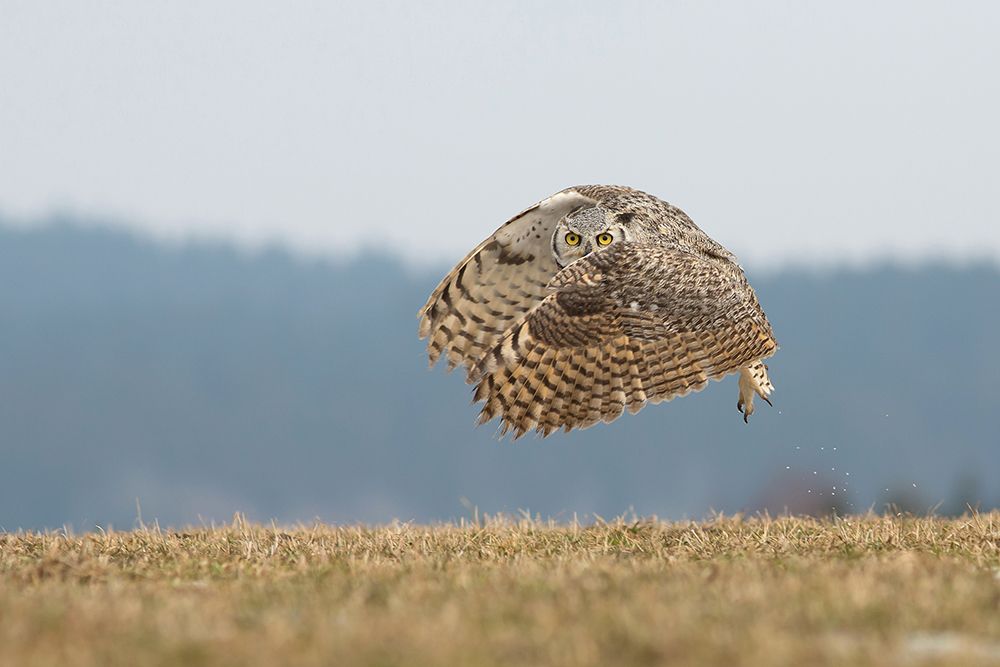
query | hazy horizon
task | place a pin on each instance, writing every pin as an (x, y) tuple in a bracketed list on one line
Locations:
[(788, 131), (75, 220)]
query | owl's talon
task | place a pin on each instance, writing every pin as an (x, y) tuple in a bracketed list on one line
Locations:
[(768, 401)]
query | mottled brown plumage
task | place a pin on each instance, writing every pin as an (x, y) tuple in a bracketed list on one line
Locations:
[(596, 300)]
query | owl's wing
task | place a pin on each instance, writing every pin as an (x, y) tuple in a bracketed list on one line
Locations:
[(623, 326), (503, 278)]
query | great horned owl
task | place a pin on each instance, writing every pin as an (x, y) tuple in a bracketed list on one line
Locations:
[(597, 299)]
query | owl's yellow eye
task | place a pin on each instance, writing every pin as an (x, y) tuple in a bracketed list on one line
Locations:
[(604, 239), (572, 239)]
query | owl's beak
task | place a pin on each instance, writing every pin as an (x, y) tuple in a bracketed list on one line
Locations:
[(589, 248)]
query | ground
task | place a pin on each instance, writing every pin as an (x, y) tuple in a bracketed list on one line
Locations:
[(728, 591)]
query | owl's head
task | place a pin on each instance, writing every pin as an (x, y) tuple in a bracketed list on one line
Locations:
[(585, 230)]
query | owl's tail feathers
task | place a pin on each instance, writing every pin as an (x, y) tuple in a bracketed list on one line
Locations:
[(753, 380)]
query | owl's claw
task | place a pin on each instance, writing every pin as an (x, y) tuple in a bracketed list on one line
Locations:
[(768, 401), (745, 408)]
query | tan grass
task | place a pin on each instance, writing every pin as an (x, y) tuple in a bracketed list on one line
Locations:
[(859, 591)]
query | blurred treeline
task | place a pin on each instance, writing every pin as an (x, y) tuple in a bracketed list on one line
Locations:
[(199, 380)]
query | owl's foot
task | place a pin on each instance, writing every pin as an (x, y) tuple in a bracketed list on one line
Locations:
[(753, 381)]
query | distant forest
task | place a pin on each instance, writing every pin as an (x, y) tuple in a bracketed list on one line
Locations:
[(193, 381)]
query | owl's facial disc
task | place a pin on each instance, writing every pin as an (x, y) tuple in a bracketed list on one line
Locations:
[(582, 232)]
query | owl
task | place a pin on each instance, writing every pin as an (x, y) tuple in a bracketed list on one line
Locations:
[(598, 299)]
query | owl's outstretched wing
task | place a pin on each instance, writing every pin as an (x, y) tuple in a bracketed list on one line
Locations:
[(622, 327), (503, 278)]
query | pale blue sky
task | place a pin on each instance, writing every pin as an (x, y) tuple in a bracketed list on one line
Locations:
[(788, 130)]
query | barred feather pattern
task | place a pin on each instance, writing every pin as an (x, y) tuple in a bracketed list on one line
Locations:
[(630, 325), (495, 285), (655, 315)]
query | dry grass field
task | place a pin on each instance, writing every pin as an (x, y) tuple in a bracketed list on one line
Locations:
[(728, 591)]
